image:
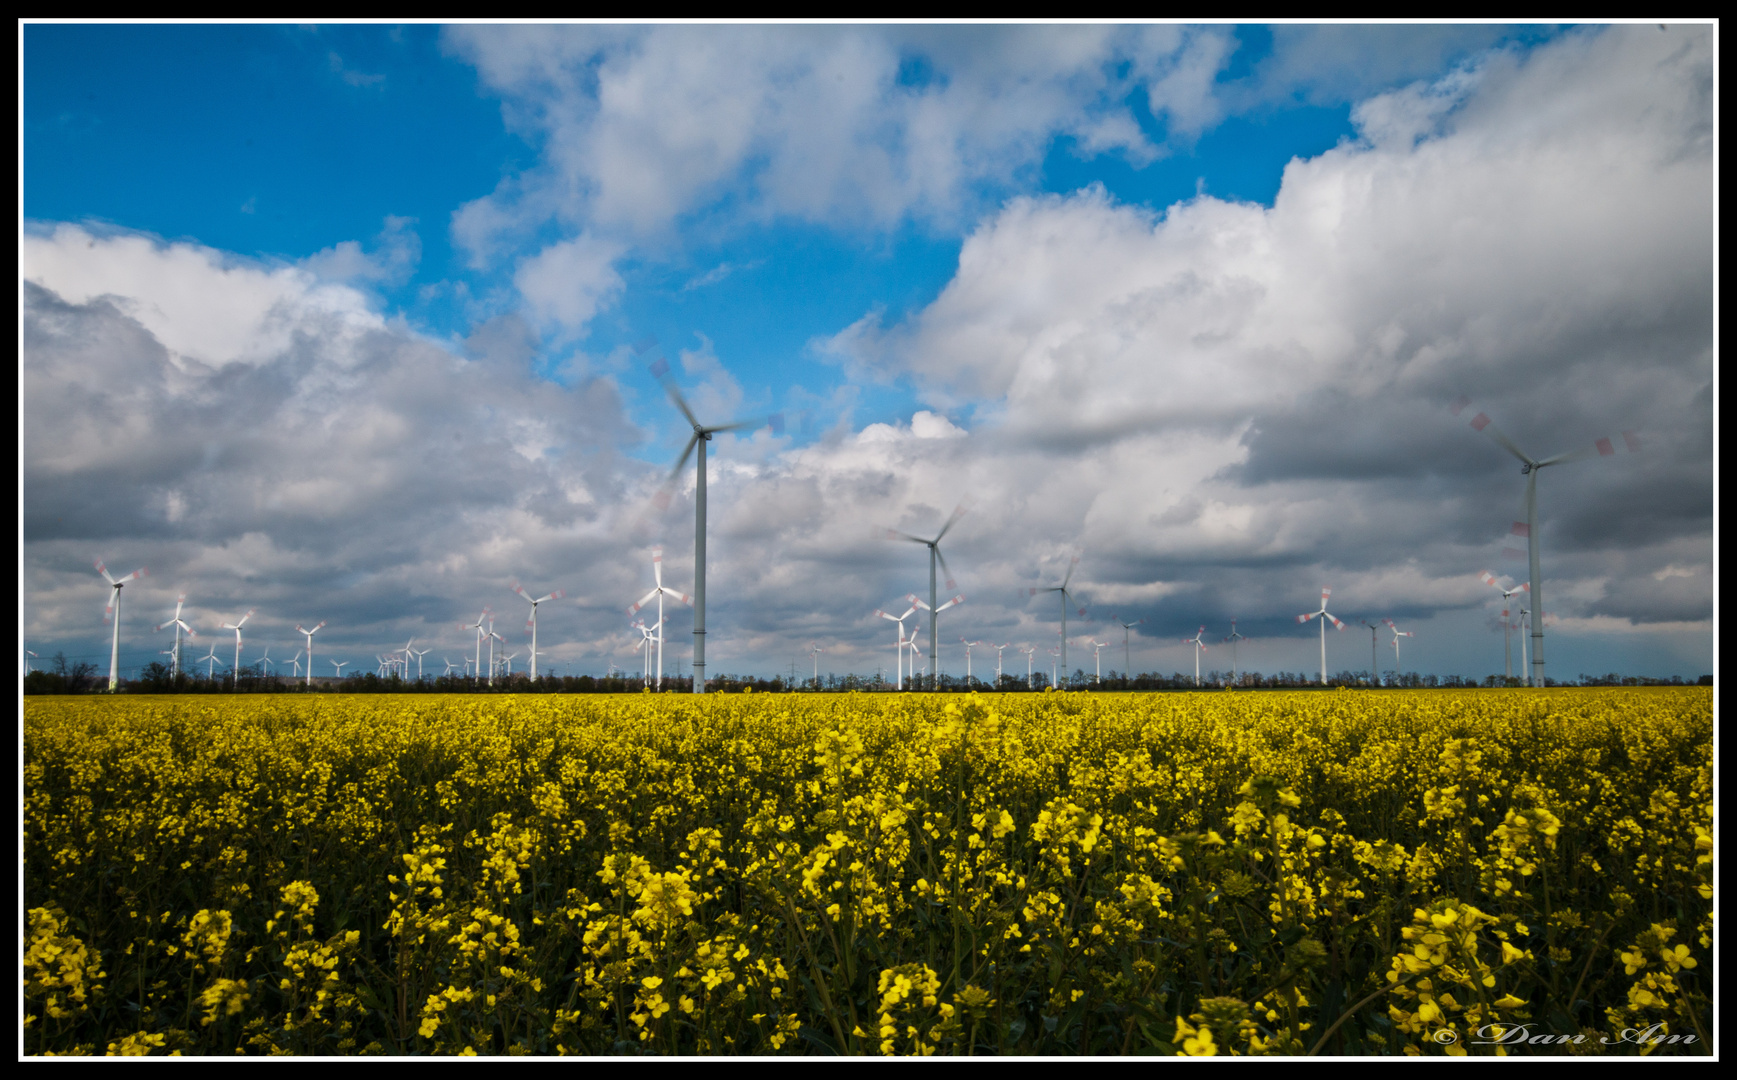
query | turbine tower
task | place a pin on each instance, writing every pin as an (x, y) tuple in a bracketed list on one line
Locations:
[(1127, 654), (814, 650), (1199, 647), (1374, 668), (113, 611), (175, 621), (701, 436), (660, 592), (899, 680), (935, 557), (1029, 651), (998, 649), (1325, 615), (310, 636), (1063, 590), (1098, 658), (1397, 634), (530, 625), (934, 613), (1529, 466), (968, 646), (338, 667), (211, 665), (236, 626), (478, 628), (1507, 644), (1235, 672)]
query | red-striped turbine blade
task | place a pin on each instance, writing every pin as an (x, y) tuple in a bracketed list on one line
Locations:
[(1521, 529), (1604, 447), (1480, 422)]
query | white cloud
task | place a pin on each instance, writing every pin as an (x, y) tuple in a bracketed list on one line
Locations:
[(568, 282)]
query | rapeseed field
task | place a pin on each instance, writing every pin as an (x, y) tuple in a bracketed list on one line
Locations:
[(1409, 872)]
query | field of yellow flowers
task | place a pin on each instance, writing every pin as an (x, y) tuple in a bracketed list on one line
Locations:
[(1416, 872)]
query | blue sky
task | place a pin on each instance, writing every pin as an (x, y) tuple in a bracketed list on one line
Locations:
[(828, 221)]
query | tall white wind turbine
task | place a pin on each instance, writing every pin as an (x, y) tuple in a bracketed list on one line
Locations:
[(1325, 616), (263, 661), (701, 436), (211, 663), (814, 650), (934, 613), (296, 664), (1507, 645), (1529, 466), (236, 626), (968, 647), (338, 667), (1098, 658), (477, 626), (530, 625), (998, 649), (113, 611), (1029, 651), (1199, 647), (899, 681), (1063, 590), (659, 591), (420, 653), (175, 621), (1397, 634), (1053, 654), (935, 557), (309, 634)]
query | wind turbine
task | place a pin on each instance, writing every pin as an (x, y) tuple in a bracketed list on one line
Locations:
[(338, 667), (1235, 673), (113, 611), (899, 682), (1029, 652), (1374, 669), (263, 660), (478, 627), (701, 436), (1127, 653), (1507, 645), (28, 656), (1397, 634), (508, 661), (1098, 657), (310, 636), (211, 663), (1063, 590), (419, 655), (493, 637), (968, 646), (175, 621), (296, 664), (236, 626), (935, 557), (530, 625), (1325, 615), (1053, 654), (998, 649), (815, 650), (1603, 447), (449, 666), (934, 613), (1199, 647), (659, 591)]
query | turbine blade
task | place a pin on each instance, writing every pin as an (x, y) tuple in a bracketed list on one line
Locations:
[(958, 512), (945, 569), (675, 395), (1070, 575), (1483, 423), (558, 594)]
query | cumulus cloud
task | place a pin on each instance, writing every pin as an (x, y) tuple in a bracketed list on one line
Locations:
[(860, 126)]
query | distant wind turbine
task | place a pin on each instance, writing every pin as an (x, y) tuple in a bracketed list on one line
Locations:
[(1063, 590), (1374, 668), (969, 645), (1507, 644), (1235, 672), (1098, 658), (1529, 466), (659, 591), (338, 667), (899, 682), (236, 626), (1199, 647), (113, 611), (175, 621), (1397, 634), (530, 625), (1127, 654), (310, 636), (701, 436), (211, 665), (934, 613), (1324, 615), (935, 557)]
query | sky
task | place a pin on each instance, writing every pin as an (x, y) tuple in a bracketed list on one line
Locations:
[(358, 323)]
